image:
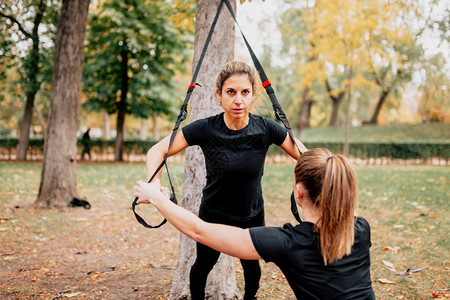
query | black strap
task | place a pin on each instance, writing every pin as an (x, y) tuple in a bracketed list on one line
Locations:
[(279, 113), (181, 117)]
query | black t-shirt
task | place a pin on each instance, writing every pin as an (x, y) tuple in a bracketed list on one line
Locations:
[(295, 250), (234, 165)]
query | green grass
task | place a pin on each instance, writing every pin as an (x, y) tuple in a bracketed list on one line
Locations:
[(407, 207), (382, 133)]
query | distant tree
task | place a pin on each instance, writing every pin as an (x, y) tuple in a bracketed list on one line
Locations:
[(434, 68), (325, 40), (295, 25), (434, 104), (394, 54), (24, 24), (58, 180), (132, 51)]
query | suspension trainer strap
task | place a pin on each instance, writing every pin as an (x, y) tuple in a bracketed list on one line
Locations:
[(279, 113), (181, 117)]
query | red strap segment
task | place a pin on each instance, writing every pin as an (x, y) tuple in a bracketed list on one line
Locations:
[(266, 83), (192, 85)]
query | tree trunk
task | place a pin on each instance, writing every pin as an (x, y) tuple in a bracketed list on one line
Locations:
[(156, 136), (120, 127), (41, 120), (58, 180), (305, 110), (143, 130), (335, 110), (336, 103), (221, 281), (24, 140), (106, 126), (33, 85), (346, 150), (376, 113)]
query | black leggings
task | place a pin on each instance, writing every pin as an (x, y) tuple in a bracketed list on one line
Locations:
[(207, 258)]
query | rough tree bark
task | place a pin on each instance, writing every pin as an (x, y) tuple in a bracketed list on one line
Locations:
[(41, 120), (221, 281), (58, 180)]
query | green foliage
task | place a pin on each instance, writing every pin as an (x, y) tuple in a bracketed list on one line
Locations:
[(27, 34), (140, 32)]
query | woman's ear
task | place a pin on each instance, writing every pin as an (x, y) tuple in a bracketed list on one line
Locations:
[(219, 95), (300, 192)]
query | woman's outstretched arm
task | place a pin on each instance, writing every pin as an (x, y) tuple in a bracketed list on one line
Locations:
[(230, 240)]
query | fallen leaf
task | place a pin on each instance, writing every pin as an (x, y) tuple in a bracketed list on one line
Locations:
[(410, 271), (388, 264), (436, 295), (163, 267), (108, 269), (95, 276), (9, 257), (394, 249), (71, 295), (385, 281), (80, 219)]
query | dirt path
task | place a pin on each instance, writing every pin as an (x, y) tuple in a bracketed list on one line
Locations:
[(83, 254), (101, 253)]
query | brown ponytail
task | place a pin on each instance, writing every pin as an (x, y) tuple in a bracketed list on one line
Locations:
[(331, 185)]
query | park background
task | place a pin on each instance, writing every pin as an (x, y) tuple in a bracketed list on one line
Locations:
[(373, 76)]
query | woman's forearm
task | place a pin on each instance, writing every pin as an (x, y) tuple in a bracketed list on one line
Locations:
[(227, 239), (230, 240), (156, 153), (155, 156)]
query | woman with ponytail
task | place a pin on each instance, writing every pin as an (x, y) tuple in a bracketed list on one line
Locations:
[(325, 257)]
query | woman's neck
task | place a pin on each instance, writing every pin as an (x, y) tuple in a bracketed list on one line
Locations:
[(235, 123), (310, 213)]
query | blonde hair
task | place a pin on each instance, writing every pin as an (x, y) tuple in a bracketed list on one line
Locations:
[(331, 186), (233, 68)]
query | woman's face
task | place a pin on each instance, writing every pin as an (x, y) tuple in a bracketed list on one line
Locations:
[(236, 96)]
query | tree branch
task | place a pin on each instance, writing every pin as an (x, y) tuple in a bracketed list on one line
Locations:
[(15, 21)]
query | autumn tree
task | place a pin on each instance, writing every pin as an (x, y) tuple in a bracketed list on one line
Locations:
[(298, 47), (132, 51), (58, 180), (24, 26), (433, 69), (318, 35), (433, 104), (394, 54)]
